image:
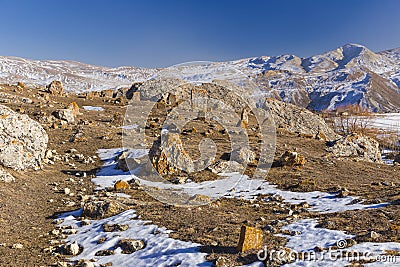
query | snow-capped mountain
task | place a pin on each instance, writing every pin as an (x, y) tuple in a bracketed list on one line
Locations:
[(351, 74)]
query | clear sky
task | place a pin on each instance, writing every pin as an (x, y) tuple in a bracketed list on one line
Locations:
[(150, 33)]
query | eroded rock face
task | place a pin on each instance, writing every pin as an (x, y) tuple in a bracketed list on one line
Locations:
[(23, 141), (299, 120), (356, 146)]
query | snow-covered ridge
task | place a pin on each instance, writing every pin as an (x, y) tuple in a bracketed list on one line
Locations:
[(351, 74), (74, 75)]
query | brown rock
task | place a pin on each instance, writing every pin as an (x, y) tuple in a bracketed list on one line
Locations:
[(250, 238), (129, 246), (73, 106), (55, 88), (170, 147), (291, 158), (107, 93), (115, 227), (103, 208), (121, 185), (21, 85)]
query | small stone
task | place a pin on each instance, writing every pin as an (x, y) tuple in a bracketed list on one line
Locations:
[(101, 240), (72, 249), (115, 227), (17, 246), (250, 238), (121, 185), (6, 177), (374, 235), (129, 246), (291, 158), (105, 252), (67, 191), (85, 222), (85, 263)]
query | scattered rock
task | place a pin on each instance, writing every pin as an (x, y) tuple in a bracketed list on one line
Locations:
[(55, 88), (250, 238), (23, 140), (129, 246), (291, 158), (356, 146)]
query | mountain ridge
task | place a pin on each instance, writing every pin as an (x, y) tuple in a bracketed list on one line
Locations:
[(348, 75)]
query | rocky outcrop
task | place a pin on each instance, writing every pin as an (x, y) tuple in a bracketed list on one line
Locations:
[(55, 88), (168, 156), (356, 146), (23, 141), (298, 120)]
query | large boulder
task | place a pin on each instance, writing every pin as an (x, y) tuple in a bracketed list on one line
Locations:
[(170, 146), (55, 88), (23, 141), (299, 120), (356, 146)]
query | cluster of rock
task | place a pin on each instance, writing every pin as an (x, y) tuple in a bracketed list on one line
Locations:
[(356, 146)]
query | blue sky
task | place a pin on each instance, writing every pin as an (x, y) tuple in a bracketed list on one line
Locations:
[(152, 33)]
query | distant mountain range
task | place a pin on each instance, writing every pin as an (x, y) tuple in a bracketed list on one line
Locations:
[(351, 74)]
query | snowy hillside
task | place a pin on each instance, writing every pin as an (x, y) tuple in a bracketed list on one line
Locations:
[(75, 76), (351, 74)]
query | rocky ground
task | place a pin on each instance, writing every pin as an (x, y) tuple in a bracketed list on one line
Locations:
[(29, 205)]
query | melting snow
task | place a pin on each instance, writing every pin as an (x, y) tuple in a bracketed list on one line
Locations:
[(164, 251), (93, 108)]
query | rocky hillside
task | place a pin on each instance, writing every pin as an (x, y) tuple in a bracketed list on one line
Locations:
[(349, 75)]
